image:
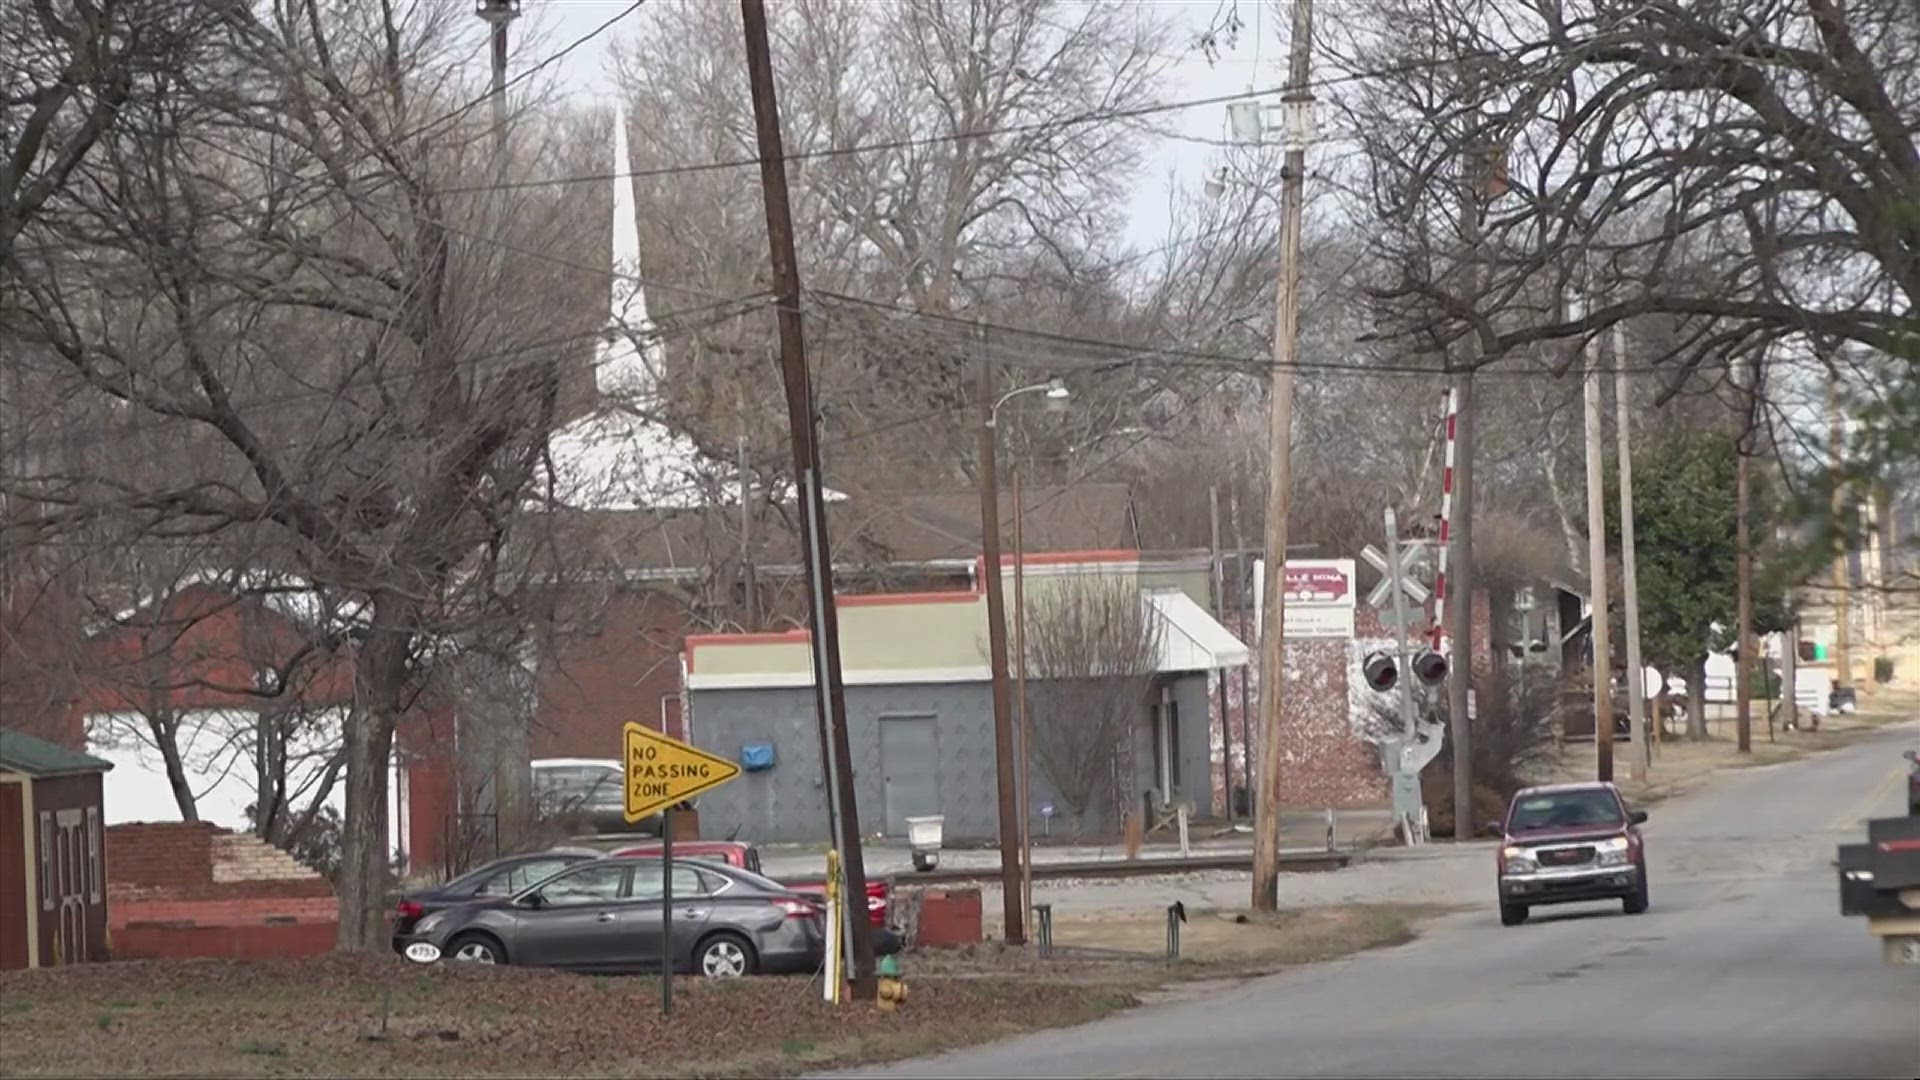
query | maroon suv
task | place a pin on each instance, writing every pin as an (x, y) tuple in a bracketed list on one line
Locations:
[(1568, 843)]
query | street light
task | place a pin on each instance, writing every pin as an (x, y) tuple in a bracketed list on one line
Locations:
[(1057, 398), (1012, 857)]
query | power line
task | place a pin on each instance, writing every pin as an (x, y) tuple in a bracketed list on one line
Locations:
[(507, 358), (1094, 117)]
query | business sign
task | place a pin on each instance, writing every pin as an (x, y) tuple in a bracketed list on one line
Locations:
[(662, 771), (1319, 596)]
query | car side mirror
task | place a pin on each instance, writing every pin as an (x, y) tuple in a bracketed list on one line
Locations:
[(1912, 755), (1638, 817), (534, 901), (1497, 828)]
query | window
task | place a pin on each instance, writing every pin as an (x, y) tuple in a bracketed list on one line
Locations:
[(588, 885), (47, 884), (688, 883), (96, 858), (570, 787), (517, 879)]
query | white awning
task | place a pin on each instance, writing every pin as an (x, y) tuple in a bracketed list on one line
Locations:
[(1191, 639)]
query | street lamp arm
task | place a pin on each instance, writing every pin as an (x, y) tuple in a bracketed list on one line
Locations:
[(1055, 388)]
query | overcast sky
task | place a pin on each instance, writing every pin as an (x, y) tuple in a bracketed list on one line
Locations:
[(554, 24)]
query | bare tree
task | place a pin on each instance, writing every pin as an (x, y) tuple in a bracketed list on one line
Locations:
[(297, 266), (1092, 649), (1747, 169)]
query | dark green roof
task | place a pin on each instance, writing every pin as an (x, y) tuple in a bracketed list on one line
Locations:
[(22, 753)]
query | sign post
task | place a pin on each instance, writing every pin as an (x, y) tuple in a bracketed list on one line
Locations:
[(666, 912), (663, 772)]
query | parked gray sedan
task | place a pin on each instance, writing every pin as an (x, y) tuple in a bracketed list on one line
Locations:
[(607, 915)]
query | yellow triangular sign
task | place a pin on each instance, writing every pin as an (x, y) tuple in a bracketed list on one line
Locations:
[(662, 771)]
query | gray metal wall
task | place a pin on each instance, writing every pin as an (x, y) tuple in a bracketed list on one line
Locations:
[(788, 803)]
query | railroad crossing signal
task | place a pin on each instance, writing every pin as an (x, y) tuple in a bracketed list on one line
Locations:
[(1382, 672), (1412, 559), (663, 771)]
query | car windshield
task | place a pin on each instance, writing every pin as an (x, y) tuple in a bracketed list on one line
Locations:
[(1565, 810)]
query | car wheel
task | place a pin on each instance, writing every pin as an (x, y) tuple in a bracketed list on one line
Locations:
[(1636, 904), (1512, 914), (476, 949), (725, 956)]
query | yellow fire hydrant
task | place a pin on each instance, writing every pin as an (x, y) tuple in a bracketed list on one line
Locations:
[(893, 989)]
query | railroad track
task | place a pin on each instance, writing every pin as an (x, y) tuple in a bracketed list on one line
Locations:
[(1290, 862)]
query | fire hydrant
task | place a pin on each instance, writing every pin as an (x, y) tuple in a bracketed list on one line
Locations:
[(893, 989)]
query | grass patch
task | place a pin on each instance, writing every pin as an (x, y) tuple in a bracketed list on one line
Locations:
[(323, 1017)]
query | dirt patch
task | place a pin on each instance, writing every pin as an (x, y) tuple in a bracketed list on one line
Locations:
[(340, 1016)]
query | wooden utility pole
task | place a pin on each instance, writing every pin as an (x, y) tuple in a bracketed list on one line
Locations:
[(1014, 918), (830, 701), (1597, 575), (1020, 698), (1743, 656), (1298, 102), (1842, 572), (1642, 758), (1216, 589), (1480, 184)]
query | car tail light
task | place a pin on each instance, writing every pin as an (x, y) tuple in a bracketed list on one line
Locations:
[(409, 909), (797, 909)]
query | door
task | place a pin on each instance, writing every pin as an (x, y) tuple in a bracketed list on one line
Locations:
[(645, 923), (909, 769), (72, 878), (578, 920)]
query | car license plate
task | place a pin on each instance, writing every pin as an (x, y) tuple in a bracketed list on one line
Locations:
[(423, 952)]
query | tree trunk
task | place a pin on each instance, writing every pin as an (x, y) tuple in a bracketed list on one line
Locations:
[(380, 685), (165, 727), (1500, 639), (1697, 698)]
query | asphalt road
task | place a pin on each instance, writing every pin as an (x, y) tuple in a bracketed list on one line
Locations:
[(1743, 967)]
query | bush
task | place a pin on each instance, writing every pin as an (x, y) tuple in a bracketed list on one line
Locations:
[(1510, 738), (1436, 788), (1883, 669)]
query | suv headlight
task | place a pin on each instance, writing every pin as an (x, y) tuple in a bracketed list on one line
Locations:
[(1612, 852), (1519, 860)]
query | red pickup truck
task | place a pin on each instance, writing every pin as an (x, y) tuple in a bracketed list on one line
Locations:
[(747, 857)]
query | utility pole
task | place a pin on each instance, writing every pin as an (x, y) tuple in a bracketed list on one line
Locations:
[(1743, 651), (1642, 759), (512, 748), (1217, 589), (1015, 922), (1597, 574), (1482, 179), (1842, 572), (498, 14), (829, 689), (1020, 698), (1298, 104)]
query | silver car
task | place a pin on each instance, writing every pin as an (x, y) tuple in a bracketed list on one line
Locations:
[(607, 915)]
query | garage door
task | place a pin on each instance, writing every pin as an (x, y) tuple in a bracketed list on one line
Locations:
[(910, 769)]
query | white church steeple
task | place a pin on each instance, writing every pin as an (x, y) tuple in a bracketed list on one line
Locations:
[(622, 370)]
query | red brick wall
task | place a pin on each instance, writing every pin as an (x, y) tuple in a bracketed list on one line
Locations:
[(173, 861), (39, 644), (164, 900), (229, 942), (1325, 761), (591, 687)]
